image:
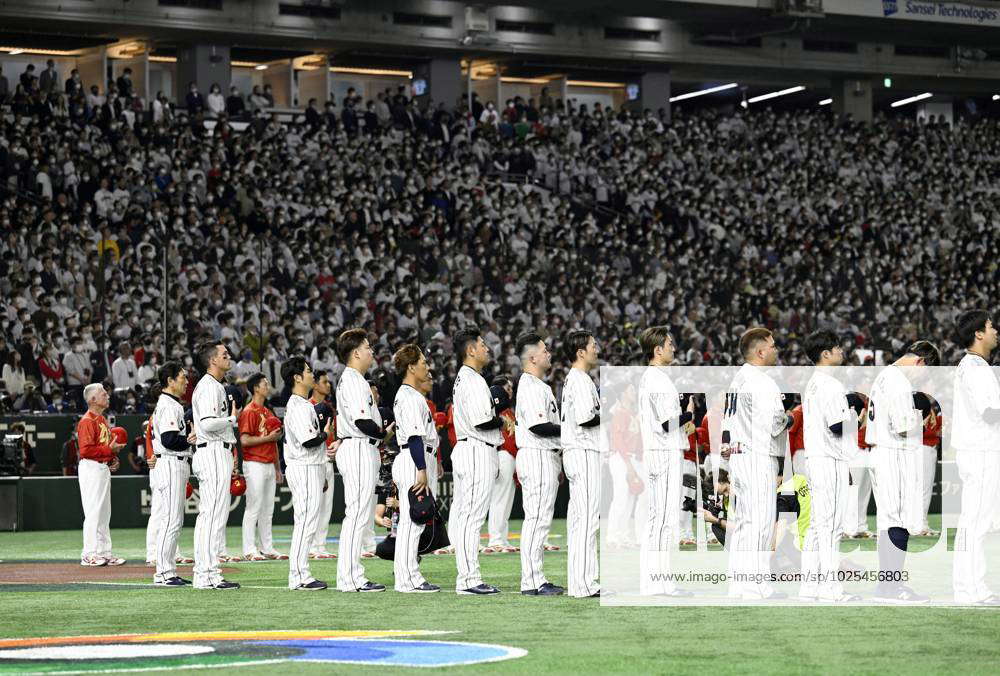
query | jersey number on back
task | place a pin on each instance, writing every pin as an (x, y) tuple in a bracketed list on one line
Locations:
[(730, 408)]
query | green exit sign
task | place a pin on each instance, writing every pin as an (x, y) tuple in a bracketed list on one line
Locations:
[(887, 82)]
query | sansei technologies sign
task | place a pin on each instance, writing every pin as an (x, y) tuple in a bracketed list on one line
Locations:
[(951, 12)]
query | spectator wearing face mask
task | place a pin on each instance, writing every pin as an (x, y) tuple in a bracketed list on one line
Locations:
[(76, 364), (235, 106), (216, 101), (13, 374), (195, 101), (59, 405), (51, 368), (124, 372)]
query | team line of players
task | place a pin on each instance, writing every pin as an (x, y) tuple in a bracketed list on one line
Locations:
[(549, 443)]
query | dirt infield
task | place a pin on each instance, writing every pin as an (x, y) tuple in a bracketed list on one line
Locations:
[(42, 572)]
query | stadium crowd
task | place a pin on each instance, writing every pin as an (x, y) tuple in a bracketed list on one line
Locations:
[(411, 222)]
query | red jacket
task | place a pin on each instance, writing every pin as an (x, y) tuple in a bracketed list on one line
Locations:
[(94, 437), (796, 441), (452, 436), (932, 433), (508, 437)]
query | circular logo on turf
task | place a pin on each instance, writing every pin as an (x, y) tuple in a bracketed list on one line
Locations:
[(188, 650)]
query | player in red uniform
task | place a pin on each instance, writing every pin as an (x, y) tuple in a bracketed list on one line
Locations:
[(502, 497), (259, 433)]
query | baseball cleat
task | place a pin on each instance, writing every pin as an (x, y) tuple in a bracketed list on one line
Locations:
[(989, 601), (371, 587), (172, 582), (901, 595), (93, 561), (367, 555), (843, 598), (315, 585), (488, 550), (150, 564), (256, 556), (547, 589), (425, 588), (480, 590), (115, 561), (323, 554), (551, 548), (225, 584), (276, 556), (184, 560), (443, 551)]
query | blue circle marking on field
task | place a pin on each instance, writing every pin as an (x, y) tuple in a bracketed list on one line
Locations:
[(396, 653)]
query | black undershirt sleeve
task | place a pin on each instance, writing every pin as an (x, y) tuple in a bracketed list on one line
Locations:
[(173, 441), (546, 429), (369, 427), (493, 424), (315, 441), (593, 422), (685, 418)]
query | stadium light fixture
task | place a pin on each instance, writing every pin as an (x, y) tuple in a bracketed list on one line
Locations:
[(702, 92), (774, 95), (260, 66), (996, 97), (15, 52), (911, 99), (826, 102)]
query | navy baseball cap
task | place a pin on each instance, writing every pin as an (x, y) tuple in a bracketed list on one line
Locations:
[(422, 506)]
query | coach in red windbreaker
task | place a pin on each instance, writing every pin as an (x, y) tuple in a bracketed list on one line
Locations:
[(98, 458)]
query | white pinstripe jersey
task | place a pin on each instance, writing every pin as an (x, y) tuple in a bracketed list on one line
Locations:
[(659, 401), (473, 406), (580, 403), (301, 425), (754, 414), (535, 405), (168, 416), (976, 389), (892, 420), (824, 403), (209, 400), (354, 402), (413, 418)]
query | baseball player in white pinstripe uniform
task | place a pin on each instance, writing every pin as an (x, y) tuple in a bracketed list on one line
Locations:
[(830, 438), (474, 459), (578, 434), (976, 439), (417, 438), (537, 433), (305, 455), (171, 450), (661, 424), (215, 430), (895, 432), (754, 419), (321, 390), (359, 425)]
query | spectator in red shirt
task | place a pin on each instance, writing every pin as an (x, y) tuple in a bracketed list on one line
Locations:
[(70, 455), (259, 434), (502, 498), (53, 374), (98, 459)]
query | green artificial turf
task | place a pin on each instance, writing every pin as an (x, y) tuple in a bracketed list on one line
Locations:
[(561, 634)]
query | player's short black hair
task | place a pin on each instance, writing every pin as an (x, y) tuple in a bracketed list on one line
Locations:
[(254, 380), (501, 381), (319, 374), (348, 342), (291, 367), (463, 338), (967, 324), (653, 337), (576, 340), (817, 342), (205, 352), (168, 371), (524, 341), (926, 350)]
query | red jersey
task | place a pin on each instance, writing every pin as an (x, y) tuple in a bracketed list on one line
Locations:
[(796, 441), (94, 438), (932, 433), (333, 428), (71, 456), (253, 422), (149, 439), (508, 437), (452, 437), (691, 452), (625, 437)]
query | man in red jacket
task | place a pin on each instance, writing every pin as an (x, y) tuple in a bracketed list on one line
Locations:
[(98, 458), (932, 437)]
